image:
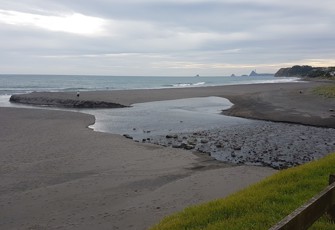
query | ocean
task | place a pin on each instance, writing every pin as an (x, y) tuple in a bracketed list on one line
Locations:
[(16, 84)]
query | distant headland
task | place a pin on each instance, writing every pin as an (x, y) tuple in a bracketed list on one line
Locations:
[(307, 71), (254, 74)]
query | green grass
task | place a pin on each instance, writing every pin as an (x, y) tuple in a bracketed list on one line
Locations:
[(261, 205), (327, 91)]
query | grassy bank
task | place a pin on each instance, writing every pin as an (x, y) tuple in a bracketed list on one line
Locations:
[(327, 91), (261, 205)]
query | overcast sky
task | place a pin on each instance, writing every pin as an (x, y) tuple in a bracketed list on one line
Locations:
[(164, 37)]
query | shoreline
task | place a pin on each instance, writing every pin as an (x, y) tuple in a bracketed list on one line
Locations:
[(280, 102)]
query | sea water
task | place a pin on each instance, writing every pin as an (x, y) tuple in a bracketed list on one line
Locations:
[(15, 84)]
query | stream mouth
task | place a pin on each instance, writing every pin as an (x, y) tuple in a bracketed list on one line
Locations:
[(146, 120)]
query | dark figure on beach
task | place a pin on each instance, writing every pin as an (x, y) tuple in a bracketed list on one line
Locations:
[(78, 94)]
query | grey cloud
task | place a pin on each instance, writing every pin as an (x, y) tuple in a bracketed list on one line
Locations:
[(191, 31)]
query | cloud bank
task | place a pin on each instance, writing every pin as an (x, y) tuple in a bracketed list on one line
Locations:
[(168, 37)]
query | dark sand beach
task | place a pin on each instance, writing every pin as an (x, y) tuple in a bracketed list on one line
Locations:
[(286, 102), (58, 174)]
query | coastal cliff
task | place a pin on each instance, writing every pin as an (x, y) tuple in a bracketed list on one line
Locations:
[(306, 71)]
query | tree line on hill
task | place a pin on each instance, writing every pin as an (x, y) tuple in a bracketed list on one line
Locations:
[(307, 71)]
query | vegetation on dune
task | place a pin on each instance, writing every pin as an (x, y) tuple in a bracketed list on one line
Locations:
[(327, 91), (261, 205)]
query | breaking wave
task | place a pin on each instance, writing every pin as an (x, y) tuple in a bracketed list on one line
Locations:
[(183, 85)]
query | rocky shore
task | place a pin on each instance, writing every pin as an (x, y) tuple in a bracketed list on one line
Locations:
[(276, 145)]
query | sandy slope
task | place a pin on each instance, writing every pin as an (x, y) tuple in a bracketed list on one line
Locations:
[(58, 174)]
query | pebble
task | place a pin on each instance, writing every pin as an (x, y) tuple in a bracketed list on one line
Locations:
[(172, 136), (127, 136)]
